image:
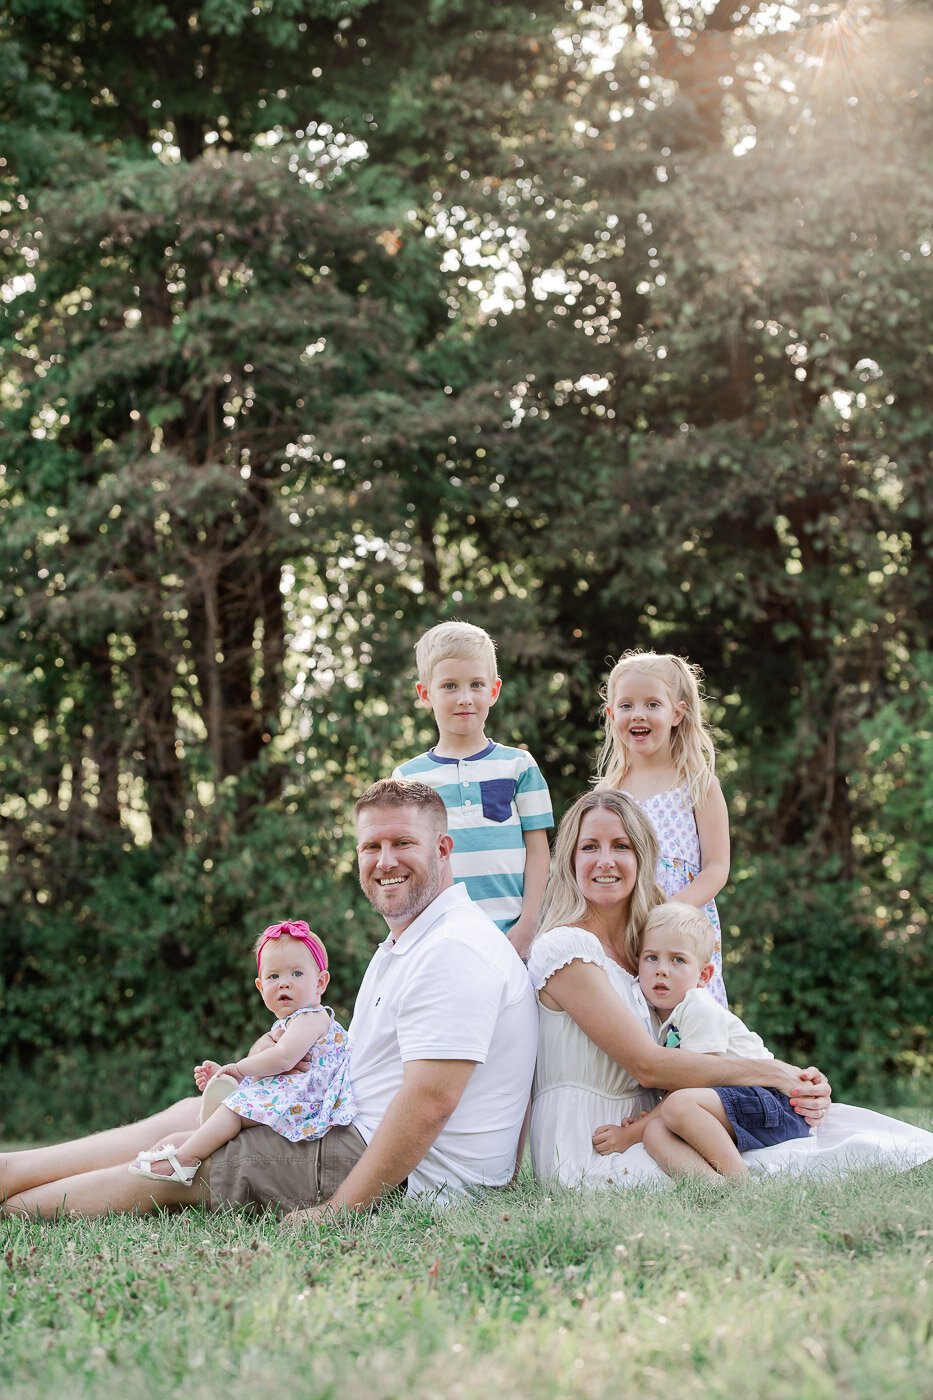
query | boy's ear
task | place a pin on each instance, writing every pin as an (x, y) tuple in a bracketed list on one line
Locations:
[(494, 692), (705, 974), (422, 692)]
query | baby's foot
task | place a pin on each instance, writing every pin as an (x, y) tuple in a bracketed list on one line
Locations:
[(204, 1073), (167, 1163)]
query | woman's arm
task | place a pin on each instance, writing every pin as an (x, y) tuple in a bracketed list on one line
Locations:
[(712, 821), (287, 1052), (584, 991)]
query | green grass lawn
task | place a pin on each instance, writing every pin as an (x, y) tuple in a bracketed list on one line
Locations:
[(789, 1288)]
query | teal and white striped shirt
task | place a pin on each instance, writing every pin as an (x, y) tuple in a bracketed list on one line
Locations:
[(492, 798)]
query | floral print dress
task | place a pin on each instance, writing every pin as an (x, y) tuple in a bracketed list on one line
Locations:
[(302, 1106)]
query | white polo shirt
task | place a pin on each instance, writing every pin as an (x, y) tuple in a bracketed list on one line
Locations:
[(451, 988), (703, 1026)]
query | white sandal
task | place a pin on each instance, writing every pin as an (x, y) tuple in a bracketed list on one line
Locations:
[(215, 1091), (183, 1175)]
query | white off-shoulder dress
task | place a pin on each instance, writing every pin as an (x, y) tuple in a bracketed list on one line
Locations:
[(577, 1087)]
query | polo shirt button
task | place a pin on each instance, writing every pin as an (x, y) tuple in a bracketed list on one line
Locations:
[(468, 803)]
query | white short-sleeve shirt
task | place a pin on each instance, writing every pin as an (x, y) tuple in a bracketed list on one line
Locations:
[(451, 988), (703, 1026)]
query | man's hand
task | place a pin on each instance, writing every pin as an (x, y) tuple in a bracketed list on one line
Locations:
[(313, 1215), (430, 1091)]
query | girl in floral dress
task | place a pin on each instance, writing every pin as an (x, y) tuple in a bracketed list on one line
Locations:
[(291, 963), (659, 750)]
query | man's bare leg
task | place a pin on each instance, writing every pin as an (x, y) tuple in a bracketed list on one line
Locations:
[(38, 1166), (112, 1189)]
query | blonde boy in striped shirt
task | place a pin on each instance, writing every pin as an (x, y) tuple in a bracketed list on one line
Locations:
[(498, 805)]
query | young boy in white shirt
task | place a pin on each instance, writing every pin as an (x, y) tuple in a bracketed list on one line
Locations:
[(498, 805), (698, 1132)]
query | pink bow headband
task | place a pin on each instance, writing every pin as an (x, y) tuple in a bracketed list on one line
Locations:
[(299, 930)]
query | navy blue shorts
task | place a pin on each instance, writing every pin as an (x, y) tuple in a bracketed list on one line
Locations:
[(760, 1117)]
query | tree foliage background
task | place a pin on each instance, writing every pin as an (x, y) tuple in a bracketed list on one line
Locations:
[(603, 326)]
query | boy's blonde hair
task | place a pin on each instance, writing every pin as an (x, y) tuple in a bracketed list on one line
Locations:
[(688, 923), (563, 901), (692, 752), (458, 641)]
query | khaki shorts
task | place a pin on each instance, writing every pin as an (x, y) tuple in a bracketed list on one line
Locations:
[(260, 1170)]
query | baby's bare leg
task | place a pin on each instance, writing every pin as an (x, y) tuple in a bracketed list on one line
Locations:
[(222, 1125), (37, 1166), (697, 1117)]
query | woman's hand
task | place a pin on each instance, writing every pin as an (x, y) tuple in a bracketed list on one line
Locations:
[(812, 1095)]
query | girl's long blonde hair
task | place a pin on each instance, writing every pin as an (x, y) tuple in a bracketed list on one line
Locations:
[(692, 751), (563, 902)]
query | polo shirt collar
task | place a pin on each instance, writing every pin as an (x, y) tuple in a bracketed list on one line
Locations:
[(470, 758), (454, 897)]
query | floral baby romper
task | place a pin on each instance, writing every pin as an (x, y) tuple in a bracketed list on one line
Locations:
[(300, 1107), (671, 815)]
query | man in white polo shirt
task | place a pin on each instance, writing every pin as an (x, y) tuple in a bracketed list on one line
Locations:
[(445, 1026), (442, 1049)]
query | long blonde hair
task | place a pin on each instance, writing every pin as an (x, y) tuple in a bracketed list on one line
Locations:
[(692, 752), (563, 902)]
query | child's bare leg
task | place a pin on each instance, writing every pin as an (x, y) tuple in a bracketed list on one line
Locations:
[(699, 1119), (673, 1155), (37, 1166), (189, 1148)]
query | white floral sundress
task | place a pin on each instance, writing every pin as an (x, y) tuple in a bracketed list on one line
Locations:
[(671, 815), (300, 1107)]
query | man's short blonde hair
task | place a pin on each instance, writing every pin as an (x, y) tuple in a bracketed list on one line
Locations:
[(688, 923), (404, 792), (457, 641)]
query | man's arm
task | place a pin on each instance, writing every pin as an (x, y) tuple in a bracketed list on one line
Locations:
[(431, 1090)]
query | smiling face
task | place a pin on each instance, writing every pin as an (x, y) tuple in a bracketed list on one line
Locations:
[(605, 863), (461, 693), (289, 978), (643, 713), (668, 968), (404, 861)]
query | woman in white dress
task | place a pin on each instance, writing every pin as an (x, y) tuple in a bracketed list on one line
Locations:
[(598, 1060)]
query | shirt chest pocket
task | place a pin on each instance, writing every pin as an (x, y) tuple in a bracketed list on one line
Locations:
[(497, 794)]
